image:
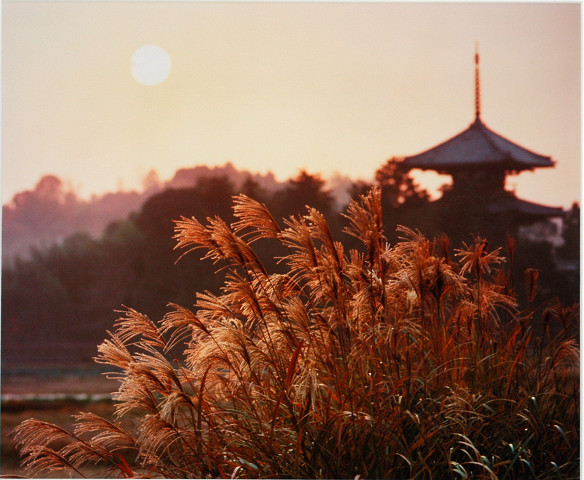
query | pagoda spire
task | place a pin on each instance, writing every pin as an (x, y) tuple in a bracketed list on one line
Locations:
[(477, 84)]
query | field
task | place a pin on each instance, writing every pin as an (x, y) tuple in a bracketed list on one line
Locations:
[(49, 394)]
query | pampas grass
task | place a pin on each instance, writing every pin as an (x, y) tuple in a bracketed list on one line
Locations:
[(401, 361)]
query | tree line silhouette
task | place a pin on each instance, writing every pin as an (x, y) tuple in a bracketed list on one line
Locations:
[(58, 303), (52, 210)]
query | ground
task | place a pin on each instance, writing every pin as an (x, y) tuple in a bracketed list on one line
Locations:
[(26, 395)]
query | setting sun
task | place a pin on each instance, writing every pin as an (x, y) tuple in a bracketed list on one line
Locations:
[(151, 65)]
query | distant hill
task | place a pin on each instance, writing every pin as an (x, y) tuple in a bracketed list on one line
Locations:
[(49, 213), (187, 177)]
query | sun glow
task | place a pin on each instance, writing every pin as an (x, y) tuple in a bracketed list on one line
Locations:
[(151, 65)]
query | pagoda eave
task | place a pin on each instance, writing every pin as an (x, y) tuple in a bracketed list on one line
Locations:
[(478, 146), (511, 204), (509, 166)]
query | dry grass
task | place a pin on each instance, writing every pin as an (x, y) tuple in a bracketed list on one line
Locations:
[(387, 362)]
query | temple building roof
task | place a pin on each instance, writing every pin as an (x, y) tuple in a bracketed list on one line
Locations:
[(478, 146), (507, 203)]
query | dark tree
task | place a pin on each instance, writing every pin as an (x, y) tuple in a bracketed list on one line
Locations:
[(571, 233), (305, 189), (397, 186), (358, 188)]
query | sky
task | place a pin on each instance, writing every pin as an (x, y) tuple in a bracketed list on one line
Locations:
[(333, 88)]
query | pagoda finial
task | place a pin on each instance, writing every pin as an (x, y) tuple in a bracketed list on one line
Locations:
[(477, 84)]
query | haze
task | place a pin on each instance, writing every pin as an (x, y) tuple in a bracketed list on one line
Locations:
[(329, 87)]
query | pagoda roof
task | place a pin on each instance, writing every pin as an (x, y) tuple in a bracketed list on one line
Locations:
[(477, 146), (510, 203)]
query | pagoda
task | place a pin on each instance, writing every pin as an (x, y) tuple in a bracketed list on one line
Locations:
[(479, 160)]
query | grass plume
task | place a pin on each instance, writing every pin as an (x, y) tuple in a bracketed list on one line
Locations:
[(378, 362)]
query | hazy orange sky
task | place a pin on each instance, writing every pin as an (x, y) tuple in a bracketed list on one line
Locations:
[(329, 87)]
